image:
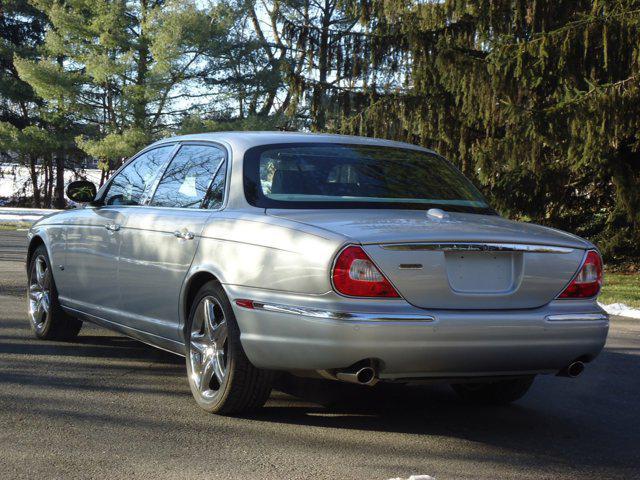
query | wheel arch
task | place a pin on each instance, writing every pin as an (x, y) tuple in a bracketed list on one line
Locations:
[(193, 283), (34, 243)]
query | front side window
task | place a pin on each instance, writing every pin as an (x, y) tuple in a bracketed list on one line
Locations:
[(355, 176), (188, 177), (133, 184)]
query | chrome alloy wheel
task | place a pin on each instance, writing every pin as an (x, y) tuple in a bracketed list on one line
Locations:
[(39, 293), (208, 349)]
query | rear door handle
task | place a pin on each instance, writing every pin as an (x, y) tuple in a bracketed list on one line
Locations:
[(184, 234), (112, 227)]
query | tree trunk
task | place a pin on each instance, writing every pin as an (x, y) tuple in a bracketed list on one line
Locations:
[(34, 182), (59, 201), (46, 170), (319, 114), (50, 182)]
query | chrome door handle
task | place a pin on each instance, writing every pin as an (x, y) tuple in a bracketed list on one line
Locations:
[(112, 227), (184, 234)]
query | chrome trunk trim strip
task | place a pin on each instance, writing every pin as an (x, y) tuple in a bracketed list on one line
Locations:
[(476, 247), (333, 315)]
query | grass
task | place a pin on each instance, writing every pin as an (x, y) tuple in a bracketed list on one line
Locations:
[(621, 288), (14, 226)]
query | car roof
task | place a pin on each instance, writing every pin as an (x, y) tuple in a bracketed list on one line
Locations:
[(243, 140)]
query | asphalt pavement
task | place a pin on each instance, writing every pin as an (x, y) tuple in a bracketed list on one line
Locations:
[(106, 406), (13, 245)]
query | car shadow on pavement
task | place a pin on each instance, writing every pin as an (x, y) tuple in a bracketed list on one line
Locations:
[(529, 427), (86, 362), (99, 346)]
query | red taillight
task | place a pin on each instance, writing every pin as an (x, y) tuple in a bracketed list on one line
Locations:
[(589, 279), (355, 275)]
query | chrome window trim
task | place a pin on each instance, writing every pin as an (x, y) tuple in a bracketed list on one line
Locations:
[(476, 247), (345, 316)]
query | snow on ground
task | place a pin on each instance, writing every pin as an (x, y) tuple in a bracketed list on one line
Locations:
[(621, 309), (13, 178)]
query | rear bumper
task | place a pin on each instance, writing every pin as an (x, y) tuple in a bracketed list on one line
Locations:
[(408, 342)]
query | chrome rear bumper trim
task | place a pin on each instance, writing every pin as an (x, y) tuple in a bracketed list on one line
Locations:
[(477, 247), (333, 315), (578, 317)]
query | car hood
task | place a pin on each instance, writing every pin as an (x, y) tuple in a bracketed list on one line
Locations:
[(400, 226)]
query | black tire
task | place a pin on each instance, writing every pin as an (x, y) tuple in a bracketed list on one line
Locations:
[(498, 392), (47, 323), (244, 387)]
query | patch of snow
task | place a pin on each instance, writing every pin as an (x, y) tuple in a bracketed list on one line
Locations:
[(621, 309), (16, 179), (23, 215)]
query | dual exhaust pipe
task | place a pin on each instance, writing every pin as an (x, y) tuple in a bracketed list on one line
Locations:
[(369, 376), (361, 376), (572, 370)]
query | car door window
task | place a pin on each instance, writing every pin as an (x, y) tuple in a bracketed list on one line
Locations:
[(215, 197), (188, 177), (133, 184)]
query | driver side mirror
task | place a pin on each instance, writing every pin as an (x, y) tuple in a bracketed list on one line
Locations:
[(81, 191)]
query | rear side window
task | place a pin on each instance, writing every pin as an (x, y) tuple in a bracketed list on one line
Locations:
[(186, 182), (133, 184)]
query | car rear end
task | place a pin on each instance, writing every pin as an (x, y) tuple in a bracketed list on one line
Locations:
[(428, 283)]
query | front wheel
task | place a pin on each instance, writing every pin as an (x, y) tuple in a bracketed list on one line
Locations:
[(48, 320), (221, 378), (496, 392)]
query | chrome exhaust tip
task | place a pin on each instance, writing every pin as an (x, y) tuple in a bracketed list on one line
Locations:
[(572, 370), (362, 376)]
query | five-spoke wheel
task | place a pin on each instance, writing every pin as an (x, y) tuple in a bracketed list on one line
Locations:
[(39, 294), (221, 377), (208, 347), (47, 318)]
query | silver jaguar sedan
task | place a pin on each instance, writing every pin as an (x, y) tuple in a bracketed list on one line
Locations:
[(345, 258)]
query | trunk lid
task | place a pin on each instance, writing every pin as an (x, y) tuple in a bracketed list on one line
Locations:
[(461, 261)]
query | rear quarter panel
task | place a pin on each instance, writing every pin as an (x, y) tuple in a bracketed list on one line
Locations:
[(254, 250)]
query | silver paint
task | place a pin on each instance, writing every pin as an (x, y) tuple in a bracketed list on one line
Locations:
[(135, 278)]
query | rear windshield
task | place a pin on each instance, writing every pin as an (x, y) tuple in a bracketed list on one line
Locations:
[(355, 176)]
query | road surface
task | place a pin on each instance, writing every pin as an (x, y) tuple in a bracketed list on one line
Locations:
[(109, 407)]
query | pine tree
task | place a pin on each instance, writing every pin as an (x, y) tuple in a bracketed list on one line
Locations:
[(125, 69), (538, 100), (25, 135)]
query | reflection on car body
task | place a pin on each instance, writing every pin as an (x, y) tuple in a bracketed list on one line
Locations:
[(347, 258)]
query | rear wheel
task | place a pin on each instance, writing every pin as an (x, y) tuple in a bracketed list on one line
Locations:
[(48, 320), (221, 378), (496, 393)]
